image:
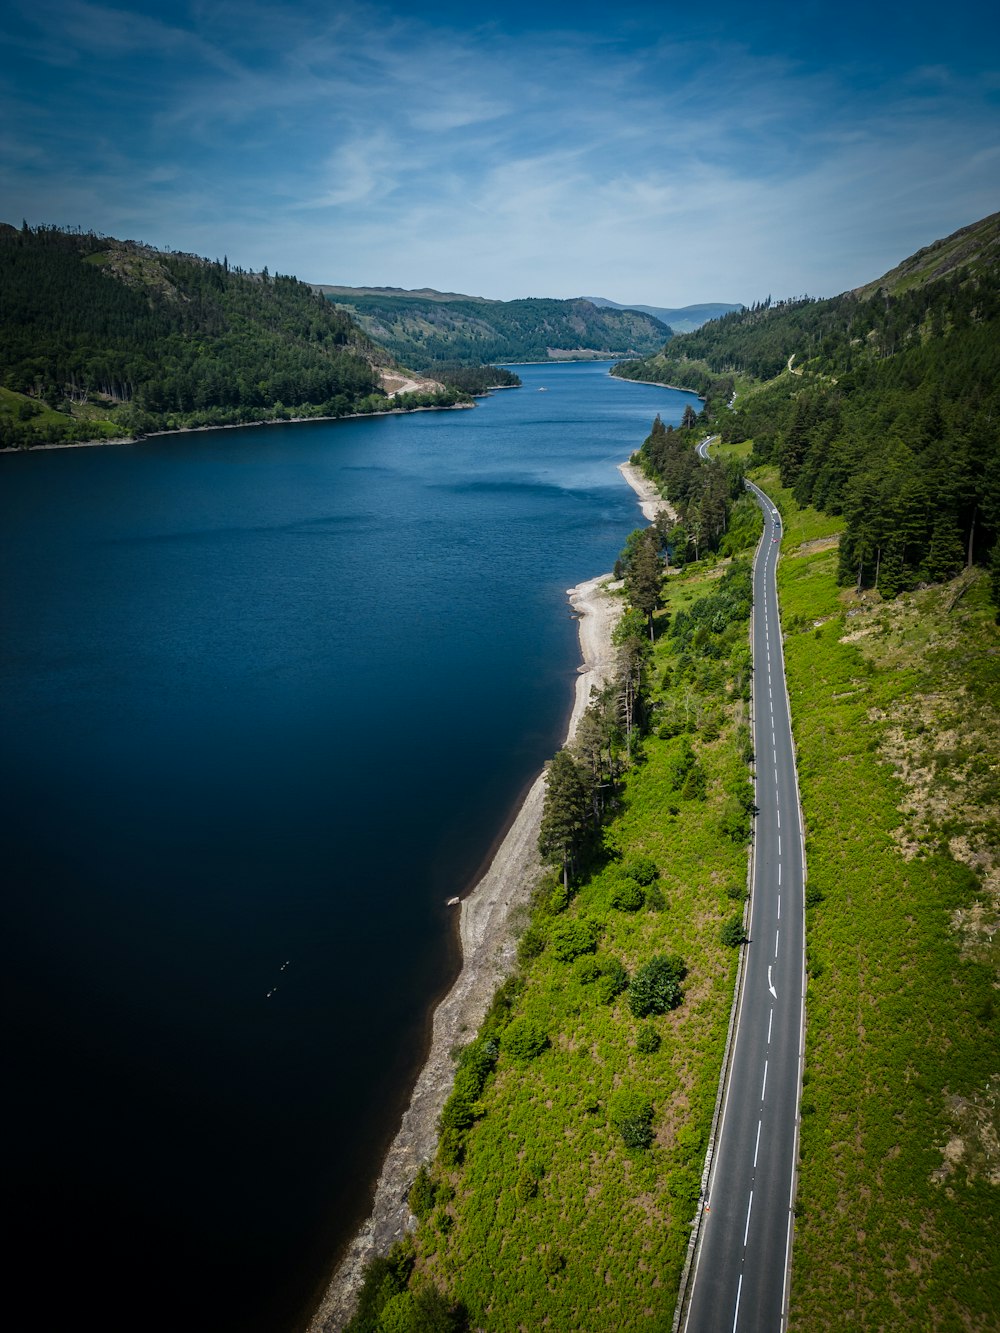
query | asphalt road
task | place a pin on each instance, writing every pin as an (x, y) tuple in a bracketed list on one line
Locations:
[(740, 1275)]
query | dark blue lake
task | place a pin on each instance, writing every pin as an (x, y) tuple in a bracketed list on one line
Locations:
[(268, 699)]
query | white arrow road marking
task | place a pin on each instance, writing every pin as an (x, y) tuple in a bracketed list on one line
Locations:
[(770, 984)]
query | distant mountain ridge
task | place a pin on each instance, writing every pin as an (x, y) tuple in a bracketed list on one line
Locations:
[(414, 293), (684, 319), (426, 328)]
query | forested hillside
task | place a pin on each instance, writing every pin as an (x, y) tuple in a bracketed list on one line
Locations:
[(423, 329), (100, 337), (881, 405)]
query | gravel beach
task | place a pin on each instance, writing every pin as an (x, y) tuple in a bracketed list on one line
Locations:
[(487, 930)]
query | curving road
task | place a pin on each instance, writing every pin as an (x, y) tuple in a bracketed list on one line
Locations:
[(739, 1277)]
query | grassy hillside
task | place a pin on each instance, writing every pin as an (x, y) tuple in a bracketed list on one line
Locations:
[(423, 329), (974, 248), (100, 337)]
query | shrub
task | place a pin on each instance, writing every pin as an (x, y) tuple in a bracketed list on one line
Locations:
[(571, 938), (553, 1262), (632, 1115), (613, 979), (733, 933), (498, 1015), (655, 900), (383, 1279), (643, 869), (523, 1040), (685, 1186), (648, 1040), (451, 1147), (626, 895), (587, 969), (695, 784), (656, 986), (421, 1196), (458, 1112), (530, 945), (680, 763), (528, 1175)]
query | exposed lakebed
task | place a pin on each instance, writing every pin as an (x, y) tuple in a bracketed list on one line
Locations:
[(268, 698)]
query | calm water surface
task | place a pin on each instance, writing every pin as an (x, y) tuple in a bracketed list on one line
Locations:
[(268, 697)]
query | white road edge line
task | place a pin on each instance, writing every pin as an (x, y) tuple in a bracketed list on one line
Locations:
[(736, 1313)]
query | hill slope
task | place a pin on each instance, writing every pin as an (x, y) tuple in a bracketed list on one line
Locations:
[(424, 328), (885, 408), (100, 337)]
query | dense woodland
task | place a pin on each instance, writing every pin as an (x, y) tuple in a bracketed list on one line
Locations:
[(475, 380), (883, 407), (100, 337), (424, 332)]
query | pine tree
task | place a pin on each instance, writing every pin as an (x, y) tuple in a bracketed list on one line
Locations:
[(564, 814)]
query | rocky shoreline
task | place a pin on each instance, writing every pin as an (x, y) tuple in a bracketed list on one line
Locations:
[(488, 917), (487, 931)]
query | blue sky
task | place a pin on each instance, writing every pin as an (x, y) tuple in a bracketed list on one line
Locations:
[(660, 154)]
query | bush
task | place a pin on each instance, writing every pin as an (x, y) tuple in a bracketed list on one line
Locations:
[(421, 1196), (587, 970), (613, 979), (498, 1015), (695, 784), (685, 1186), (384, 1278), (648, 1040), (451, 1148), (569, 939), (680, 763), (553, 1262), (626, 895), (523, 1040), (733, 933), (643, 869), (526, 1186), (655, 900), (632, 1115), (458, 1112), (530, 945), (656, 986)]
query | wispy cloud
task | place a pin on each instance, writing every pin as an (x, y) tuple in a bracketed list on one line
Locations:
[(543, 152)]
